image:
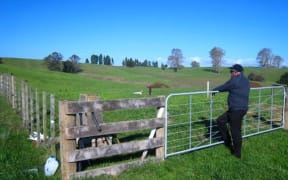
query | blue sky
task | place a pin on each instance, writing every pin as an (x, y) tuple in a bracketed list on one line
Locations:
[(144, 29)]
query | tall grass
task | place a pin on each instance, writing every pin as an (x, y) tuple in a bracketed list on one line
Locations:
[(19, 158)]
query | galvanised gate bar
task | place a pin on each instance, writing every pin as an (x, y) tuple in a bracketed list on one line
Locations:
[(190, 118)]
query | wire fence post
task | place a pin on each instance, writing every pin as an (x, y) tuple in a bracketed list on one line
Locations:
[(286, 113)]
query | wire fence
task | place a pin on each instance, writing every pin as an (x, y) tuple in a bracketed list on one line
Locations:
[(190, 118), (37, 109)]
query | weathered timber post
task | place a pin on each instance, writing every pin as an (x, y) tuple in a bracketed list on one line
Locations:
[(286, 112), (52, 116), (37, 117), (160, 132), (18, 97), (31, 111), (44, 112), (66, 145), (13, 92), (87, 118), (1, 83), (52, 122), (26, 105), (23, 110)]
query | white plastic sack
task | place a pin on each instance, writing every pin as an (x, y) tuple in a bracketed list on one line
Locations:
[(34, 136), (51, 166)]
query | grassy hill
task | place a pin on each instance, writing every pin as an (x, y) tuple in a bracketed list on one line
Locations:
[(264, 156), (110, 82)]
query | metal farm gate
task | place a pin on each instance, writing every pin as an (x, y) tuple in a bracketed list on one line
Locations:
[(190, 118)]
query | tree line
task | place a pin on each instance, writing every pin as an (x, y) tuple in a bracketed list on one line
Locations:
[(100, 59), (129, 62), (54, 61), (265, 58)]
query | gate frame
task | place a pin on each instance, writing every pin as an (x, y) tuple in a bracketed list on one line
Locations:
[(208, 92)]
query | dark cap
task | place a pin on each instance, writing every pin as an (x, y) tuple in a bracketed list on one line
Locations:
[(237, 67)]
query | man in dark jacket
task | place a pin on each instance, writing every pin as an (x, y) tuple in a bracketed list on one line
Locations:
[(238, 87)]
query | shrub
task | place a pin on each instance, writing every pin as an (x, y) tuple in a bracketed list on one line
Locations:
[(255, 77), (71, 67), (53, 65), (283, 79)]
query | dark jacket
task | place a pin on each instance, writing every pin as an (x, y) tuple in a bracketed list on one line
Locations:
[(238, 88)]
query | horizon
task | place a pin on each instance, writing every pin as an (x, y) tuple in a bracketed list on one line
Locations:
[(159, 65)]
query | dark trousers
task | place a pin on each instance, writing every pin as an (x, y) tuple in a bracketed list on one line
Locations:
[(234, 120)]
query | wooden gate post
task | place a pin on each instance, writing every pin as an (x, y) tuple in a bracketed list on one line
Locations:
[(160, 152), (13, 91), (286, 113), (66, 145), (44, 112)]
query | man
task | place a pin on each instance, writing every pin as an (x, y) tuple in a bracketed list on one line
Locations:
[(238, 87)]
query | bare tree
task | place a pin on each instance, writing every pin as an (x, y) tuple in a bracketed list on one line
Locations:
[(176, 58), (216, 55), (264, 57), (74, 59), (277, 61)]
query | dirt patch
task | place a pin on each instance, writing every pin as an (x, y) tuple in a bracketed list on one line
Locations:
[(254, 84), (158, 85), (111, 78)]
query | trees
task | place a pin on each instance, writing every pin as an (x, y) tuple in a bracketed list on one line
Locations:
[(129, 62), (266, 59), (74, 59), (277, 61), (216, 55), (176, 58), (72, 64), (54, 61), (283, 79), (195, 64), (107, 60), (94, 59), (101, 60)]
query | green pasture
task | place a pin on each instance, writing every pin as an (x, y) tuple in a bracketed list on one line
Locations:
[(264, 156), (110, 82)]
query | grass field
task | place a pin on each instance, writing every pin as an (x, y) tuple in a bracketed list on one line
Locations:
[(264, 156), (111, 82)]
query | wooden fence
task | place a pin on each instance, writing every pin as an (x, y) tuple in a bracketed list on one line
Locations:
[(32, 106), (83, 120)]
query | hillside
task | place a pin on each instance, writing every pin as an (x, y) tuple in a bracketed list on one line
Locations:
[(120, 82), (19, 155)]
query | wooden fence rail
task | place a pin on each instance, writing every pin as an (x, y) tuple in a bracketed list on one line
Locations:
[(32, 108), (71, 112)]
